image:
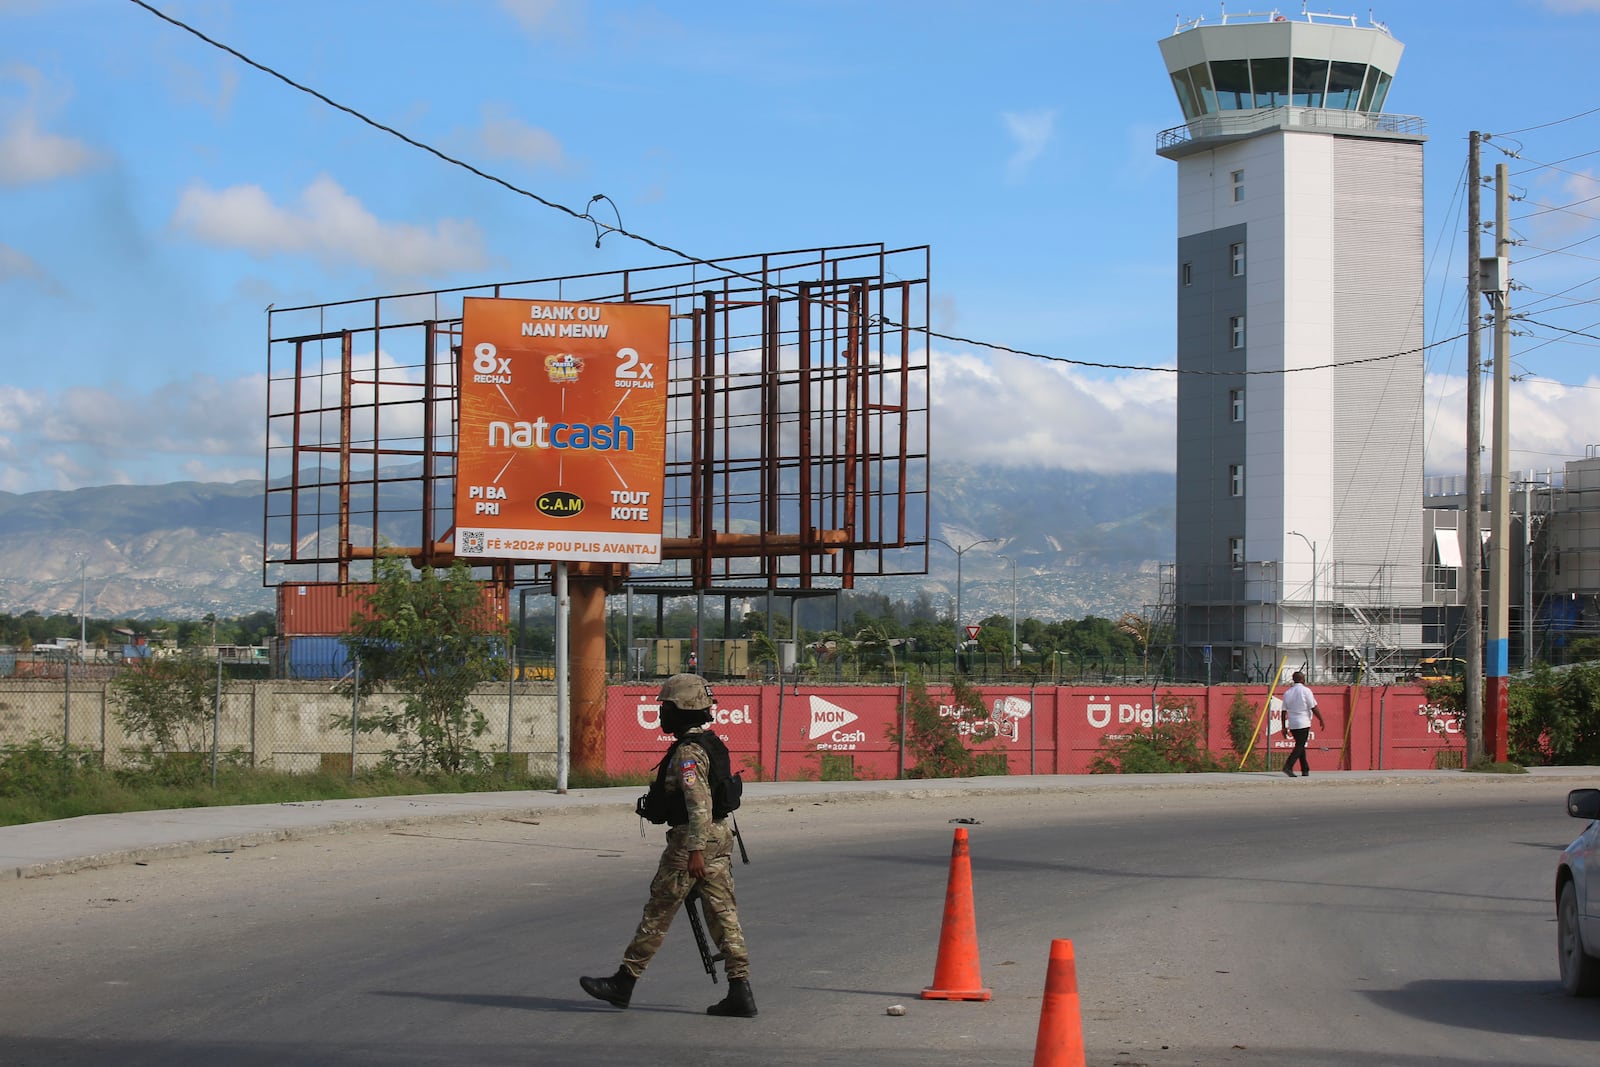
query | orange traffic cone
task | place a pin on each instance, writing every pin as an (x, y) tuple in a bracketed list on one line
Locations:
[(956, 974), (1060, 1042)]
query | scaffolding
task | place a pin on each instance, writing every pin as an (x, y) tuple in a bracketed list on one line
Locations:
[(1236, 622)]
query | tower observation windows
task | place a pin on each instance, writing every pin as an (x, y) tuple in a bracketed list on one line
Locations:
[(1344, 85), (1224, 85), (1204, 92), (1231, 77), (1269, 79), (1376, 90), (1186, 95), (1310, 82)]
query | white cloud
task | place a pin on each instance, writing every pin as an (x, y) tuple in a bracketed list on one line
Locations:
[(200, 427), (1013, 411), (1561, 207), (1031, 130), (30, 154), (504, 137), (1550, 423), (330, 224), (1004, 410)]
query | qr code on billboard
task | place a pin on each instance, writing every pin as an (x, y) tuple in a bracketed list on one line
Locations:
[(471, 542)]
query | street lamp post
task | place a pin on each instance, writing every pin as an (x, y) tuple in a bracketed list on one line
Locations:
[(1015, 657), (83, 619), (1311, 668), (959, 553)]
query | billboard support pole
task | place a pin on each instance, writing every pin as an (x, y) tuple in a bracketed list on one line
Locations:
[(587, 653), (563, 695)]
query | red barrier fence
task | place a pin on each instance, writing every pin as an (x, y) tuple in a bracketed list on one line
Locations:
[(815, 731)]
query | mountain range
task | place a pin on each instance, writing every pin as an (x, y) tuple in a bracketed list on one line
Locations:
[(1083, 544)]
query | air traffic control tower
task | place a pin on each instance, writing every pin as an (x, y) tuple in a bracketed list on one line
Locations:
[(1299, 286)]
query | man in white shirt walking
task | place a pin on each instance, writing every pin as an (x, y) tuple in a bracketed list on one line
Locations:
[(1298, 708)]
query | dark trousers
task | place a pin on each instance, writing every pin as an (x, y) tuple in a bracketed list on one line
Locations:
[(1299, 753)]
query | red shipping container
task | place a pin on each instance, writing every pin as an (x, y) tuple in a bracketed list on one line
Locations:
[(323, 609)]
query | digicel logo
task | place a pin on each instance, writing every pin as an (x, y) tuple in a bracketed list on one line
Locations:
[(648, 715), (827, 717)]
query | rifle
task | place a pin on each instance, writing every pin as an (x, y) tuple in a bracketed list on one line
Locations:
[(693, 903)]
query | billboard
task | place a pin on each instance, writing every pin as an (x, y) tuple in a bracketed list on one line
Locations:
[(561, 439)]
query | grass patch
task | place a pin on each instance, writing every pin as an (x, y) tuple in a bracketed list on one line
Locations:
[(39, 783), (1485, 765)]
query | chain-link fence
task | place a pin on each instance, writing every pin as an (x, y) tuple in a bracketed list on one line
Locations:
[(613, 730), (977, 666), (291, 726)]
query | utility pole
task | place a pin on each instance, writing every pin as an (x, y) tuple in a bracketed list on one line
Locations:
[(1497, 662), (1472, 681)]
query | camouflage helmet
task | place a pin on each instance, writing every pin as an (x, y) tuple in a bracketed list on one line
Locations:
[(690, 692)]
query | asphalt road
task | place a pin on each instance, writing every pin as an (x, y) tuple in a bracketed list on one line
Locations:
[(1312, 923)]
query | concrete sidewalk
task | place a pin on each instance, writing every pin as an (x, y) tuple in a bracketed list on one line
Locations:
[(37, 849)]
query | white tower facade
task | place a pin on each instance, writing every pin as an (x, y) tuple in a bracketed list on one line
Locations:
[(1300, 300)]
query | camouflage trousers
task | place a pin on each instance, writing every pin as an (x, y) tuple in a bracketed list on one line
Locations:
[(672, 883)]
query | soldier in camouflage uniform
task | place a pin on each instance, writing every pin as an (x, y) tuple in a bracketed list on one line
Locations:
[(698, 854)]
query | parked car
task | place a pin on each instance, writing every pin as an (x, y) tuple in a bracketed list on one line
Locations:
[(1578, 900)]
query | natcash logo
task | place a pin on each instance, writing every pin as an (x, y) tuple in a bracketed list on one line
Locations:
[(563, 368), (559, 504), (827, 717)]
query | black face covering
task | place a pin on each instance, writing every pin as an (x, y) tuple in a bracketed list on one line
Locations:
[(675, 720)]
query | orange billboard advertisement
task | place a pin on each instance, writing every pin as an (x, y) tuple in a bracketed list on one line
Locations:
[(561, 440)]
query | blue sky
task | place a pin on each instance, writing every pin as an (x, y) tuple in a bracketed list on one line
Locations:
[(156, 195)]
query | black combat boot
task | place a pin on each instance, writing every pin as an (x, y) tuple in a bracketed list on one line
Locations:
[(616, 990), (739, 1002)]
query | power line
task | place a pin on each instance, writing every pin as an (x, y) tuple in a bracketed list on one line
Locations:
[(1551, 381), (1559, 329), (452, 160), (603, 228), (1176, 370), (1547, 125)]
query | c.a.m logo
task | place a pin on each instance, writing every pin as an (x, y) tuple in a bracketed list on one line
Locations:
[(559, 504)]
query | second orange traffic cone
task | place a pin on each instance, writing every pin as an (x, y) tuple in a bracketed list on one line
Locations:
[(957, 974), (1060, 1041)]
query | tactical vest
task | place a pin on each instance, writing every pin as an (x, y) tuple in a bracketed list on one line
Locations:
[(659, 806)]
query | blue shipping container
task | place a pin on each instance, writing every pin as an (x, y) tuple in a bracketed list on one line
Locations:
[(317, 657)]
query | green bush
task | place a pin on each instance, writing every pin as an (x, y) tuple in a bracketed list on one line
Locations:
[(1162, 748), (167, 703), (428, 643), (39, 767), (1555, 717), (933, 739), (1242, 730)]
